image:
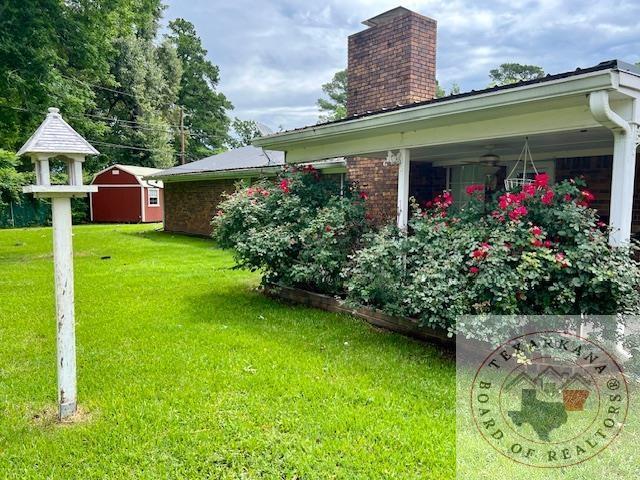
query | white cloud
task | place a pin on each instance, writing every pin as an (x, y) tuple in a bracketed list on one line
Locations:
[(275, 55)]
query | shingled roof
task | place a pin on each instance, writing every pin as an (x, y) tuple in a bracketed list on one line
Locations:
[(56, 136)]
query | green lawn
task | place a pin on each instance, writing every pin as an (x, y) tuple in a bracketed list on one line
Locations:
[(186, 371)]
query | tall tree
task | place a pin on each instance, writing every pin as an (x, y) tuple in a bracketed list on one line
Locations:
[(514, 72), (56, 53), (143, 103), (335, 107), (244, 131), (440, 92), (205, 108), (10, 180)]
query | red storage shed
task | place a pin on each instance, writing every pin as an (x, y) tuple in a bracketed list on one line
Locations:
[(124, 196)]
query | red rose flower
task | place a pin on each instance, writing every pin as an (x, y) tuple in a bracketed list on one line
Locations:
[(547, 243), (547, 198), (327, 228), (587, 196), (474, 270), (541, 180), (537, 231), (536, 242), (471, 189), (478, 253), (560, 258), (364, 195), (529, 189), (518, 212), (284, 185)]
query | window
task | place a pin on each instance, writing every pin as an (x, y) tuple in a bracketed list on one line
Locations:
[(154, 197), (115, 172)]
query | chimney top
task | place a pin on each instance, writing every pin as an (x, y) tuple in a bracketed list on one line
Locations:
[(388, 16)]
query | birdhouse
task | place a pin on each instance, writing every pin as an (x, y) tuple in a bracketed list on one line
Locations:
[(56, 139)]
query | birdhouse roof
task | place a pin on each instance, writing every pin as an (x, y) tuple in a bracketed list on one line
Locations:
[(54, 135)]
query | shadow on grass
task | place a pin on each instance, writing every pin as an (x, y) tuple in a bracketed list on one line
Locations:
[(299, 326)]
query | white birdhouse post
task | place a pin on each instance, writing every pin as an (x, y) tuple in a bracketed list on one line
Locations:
[(55, 138)]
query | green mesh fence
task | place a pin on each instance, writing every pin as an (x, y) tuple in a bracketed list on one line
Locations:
[(29, 212)]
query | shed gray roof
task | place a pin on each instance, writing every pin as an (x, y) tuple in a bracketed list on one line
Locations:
[(139, 172), (54, 135), (245, 158)]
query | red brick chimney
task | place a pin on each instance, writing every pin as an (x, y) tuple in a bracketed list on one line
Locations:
[(390, 63)]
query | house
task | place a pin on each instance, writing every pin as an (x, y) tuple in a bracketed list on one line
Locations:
[(193, 191), (401, 142), (125, 196)]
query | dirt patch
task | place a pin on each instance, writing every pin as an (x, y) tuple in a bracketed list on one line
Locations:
[(49, 417)]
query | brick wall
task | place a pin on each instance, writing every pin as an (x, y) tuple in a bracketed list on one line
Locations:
[(381, 184), (190, 206), (596, 172), (392, 62)]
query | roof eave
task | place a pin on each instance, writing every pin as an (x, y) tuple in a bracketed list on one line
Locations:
[(602, 79), (213, 175)]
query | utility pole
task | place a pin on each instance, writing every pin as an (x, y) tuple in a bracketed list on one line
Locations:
[(182, 135)]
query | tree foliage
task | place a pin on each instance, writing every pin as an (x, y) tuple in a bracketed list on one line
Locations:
[(11, 181), (508, 73), (119, 85), (205, 108), (244, 131), (335, 107)]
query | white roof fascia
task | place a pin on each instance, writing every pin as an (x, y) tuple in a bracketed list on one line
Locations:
[(217, 175), (528, 93)]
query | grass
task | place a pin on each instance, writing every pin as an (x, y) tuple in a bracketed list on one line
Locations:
[(186, 371)]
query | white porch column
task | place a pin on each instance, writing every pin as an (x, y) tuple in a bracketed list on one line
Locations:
[(622, 183), (403, 188), (65, 311), (625, 142)]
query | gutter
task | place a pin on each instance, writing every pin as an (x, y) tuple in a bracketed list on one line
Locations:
[(602, 112), (584, 84), (220, 174)]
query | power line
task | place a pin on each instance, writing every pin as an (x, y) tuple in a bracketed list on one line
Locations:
[(129, 147), (116, 145), (97, 86), (110, 119)]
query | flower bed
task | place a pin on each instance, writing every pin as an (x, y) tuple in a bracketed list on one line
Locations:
[(537, 251), (299, 231)]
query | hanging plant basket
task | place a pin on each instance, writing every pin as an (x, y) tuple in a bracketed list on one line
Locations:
[(514, 180)]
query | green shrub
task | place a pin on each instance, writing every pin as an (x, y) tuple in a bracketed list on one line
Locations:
[(299, 231), (539, 251)]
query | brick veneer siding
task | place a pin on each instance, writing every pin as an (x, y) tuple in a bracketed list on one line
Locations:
[(190, 206), (381, 184), (596, 172), (392, 63)]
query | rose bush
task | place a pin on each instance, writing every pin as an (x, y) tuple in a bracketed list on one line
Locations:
[(538, 251), (299, 231)]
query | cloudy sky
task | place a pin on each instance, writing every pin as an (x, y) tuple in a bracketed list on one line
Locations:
[(274, 55)]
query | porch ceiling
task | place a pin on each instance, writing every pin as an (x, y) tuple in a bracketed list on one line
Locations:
[(591, 141)]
